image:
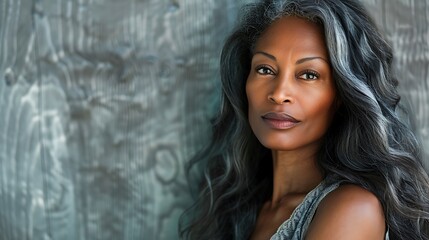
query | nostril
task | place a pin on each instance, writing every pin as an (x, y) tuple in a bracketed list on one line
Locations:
[(279, 100)]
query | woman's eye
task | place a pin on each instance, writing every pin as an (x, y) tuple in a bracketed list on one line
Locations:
[(264, 71), (309, 76)]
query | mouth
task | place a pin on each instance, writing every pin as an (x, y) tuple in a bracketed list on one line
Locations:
[(279, 120)]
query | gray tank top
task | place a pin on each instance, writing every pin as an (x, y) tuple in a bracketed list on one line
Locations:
[(297, 225)]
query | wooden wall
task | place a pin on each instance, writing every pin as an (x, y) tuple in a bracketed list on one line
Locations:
[(103, 101)]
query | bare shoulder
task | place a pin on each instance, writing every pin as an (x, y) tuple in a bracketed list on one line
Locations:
[(349, 212)]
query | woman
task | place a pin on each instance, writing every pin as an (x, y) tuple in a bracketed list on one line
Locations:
[(307, 144)]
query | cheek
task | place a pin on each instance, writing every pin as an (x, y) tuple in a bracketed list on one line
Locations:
[(253, 100), (253, 96), (322, 111)]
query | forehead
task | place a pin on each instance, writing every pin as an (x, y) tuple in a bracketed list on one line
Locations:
[(295, 33)]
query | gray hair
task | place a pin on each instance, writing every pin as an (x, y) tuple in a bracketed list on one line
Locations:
[(367, 144)]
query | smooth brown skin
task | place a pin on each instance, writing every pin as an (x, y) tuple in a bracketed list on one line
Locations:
[(291, 73)]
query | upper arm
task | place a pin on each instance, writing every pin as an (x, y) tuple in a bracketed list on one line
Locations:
[(349, 212)]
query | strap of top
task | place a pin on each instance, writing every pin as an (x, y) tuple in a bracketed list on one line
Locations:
[(295, 228)]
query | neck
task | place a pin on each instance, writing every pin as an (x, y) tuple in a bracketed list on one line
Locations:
[(295, 173)]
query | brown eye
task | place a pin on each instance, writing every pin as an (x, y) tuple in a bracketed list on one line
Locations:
[(263, 70), (309, 75)]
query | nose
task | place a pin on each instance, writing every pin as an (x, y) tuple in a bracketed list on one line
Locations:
[(282, 92)]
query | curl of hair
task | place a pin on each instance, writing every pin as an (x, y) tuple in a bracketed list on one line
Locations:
[(367, 144)]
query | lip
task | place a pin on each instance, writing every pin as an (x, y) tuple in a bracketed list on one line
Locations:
[(280, 120)]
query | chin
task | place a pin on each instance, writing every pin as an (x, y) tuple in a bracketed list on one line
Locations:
[(291, 143), (279, 145)]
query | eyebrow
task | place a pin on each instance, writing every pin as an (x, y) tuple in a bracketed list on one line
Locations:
[(299, 61), (266, 55)]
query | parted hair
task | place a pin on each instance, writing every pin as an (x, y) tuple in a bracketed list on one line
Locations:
[(367, 143)]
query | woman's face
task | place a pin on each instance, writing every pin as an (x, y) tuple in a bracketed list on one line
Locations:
[(290, 90)]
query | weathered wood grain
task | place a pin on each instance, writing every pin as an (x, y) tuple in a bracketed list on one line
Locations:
[(102, 102)]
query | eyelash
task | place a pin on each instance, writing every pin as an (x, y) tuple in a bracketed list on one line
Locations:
[(306, 72), (309, 72), (263, 67)]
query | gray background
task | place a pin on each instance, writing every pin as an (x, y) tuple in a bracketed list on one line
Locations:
[(103, 101)]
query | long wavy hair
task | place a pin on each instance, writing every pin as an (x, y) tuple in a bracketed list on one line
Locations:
[(367, 143)]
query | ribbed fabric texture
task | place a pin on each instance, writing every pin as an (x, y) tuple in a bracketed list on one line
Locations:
[(297, 225)]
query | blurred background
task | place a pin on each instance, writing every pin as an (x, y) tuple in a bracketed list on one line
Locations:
[(102, 102)]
